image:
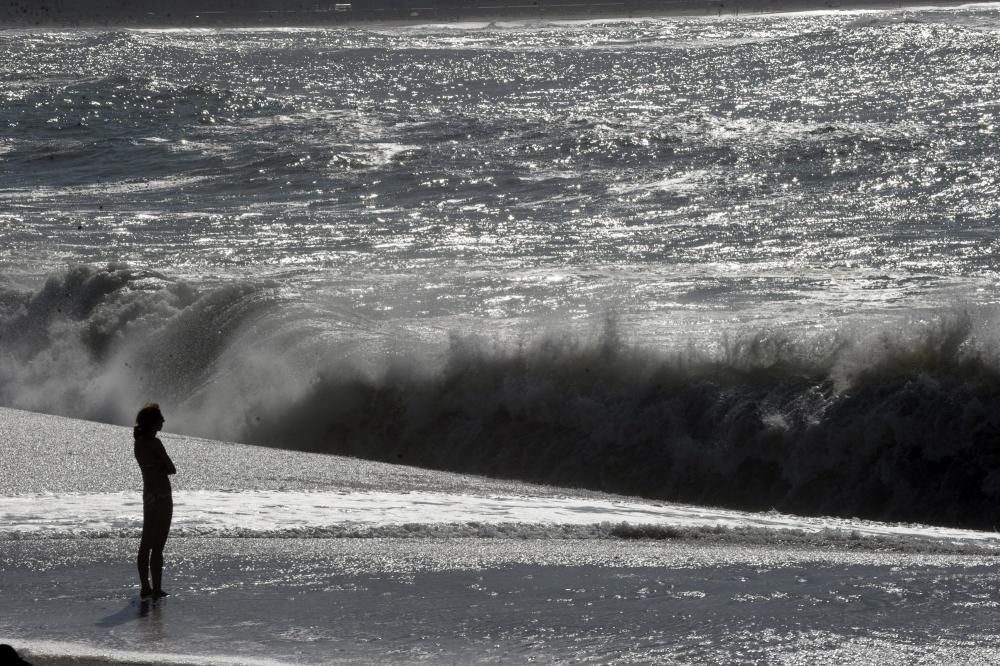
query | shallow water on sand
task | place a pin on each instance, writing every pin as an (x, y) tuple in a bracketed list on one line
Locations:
[(488, 601)]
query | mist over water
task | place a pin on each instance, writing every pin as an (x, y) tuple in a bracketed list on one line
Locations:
[(742, 261)]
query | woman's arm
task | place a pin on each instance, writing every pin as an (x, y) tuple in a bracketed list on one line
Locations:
[(165, 461)]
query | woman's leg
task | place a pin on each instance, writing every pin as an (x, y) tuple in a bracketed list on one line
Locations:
[(155, 528), (142, 559), (159, 540)]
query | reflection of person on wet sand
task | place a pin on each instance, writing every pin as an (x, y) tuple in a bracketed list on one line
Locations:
[(157, 500)]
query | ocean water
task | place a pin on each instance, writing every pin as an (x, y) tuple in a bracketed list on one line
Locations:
[(745, 261)]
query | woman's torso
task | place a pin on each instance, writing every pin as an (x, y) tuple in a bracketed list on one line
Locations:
[(155, 466)]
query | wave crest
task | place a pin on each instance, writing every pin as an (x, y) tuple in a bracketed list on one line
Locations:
[(898, 428)]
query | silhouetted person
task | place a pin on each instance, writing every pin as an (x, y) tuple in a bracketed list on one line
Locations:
[(157, 499), (9, 657)]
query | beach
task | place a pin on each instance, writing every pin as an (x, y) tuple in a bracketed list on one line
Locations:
[(326, 583), (514, 602), (499, 339)]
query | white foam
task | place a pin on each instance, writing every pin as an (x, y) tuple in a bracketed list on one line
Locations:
[(311, 512), (83, 651)]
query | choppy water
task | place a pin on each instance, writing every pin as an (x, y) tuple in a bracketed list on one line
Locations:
[(739, 260)]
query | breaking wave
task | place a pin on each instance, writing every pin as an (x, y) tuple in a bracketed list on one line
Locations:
[(906, 430), (899, 425)]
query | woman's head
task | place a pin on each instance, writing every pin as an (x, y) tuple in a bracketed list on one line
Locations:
[(149, 420)]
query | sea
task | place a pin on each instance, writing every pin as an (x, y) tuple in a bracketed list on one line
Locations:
[(740, 261)]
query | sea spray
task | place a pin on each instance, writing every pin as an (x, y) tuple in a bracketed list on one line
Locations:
[(93, 341)]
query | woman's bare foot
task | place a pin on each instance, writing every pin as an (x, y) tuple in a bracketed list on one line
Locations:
[(159, 594), (146, 592)]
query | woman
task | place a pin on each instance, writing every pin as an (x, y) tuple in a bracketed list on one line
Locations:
[(157, 500)]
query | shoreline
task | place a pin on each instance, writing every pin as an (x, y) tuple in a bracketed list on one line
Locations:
[(23, 14)]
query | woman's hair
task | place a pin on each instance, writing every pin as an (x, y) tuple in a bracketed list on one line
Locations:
[(148, 417)]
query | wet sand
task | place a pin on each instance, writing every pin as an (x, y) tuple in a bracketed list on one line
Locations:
[(265, 602)]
